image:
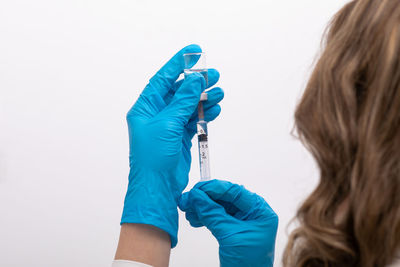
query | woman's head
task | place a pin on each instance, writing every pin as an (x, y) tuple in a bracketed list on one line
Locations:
[(349, 119)]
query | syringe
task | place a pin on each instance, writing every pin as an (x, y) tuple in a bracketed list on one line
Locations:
[(196, 62), (202, 135)]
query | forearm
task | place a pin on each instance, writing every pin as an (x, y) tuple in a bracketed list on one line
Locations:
[(144, 243)]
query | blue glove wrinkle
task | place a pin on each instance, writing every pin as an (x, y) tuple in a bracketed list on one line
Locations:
[(253, 213), (230, 205), (230, 208), (193, 219), (187, 145), (162, 80), (148, 105)]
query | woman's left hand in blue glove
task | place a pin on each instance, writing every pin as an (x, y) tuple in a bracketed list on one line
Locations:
[(242, 222), (161, 125)]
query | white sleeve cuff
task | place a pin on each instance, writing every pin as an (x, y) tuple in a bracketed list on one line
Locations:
[(125, 263)]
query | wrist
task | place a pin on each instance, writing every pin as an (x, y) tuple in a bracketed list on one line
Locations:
[(150, 201), (143, 243)]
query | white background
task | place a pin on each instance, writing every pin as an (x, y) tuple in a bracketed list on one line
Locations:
[(71, 69)]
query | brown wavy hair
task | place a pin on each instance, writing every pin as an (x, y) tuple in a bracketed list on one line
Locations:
[(349, 119)]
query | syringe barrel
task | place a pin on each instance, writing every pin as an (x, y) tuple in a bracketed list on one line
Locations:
[(204, 156)]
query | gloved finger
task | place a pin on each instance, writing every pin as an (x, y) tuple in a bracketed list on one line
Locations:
[(186, 99), (209, 115), (193, 219), (213, 77), (248, 205), (209, 213), (215, 96), (168, 97), (184, 203), (165, 78)]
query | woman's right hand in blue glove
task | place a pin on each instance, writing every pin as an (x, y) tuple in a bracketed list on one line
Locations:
[(242, 222)]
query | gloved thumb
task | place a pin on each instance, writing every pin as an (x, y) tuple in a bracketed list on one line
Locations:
[(208, 212), (236, 200), (186, 98)]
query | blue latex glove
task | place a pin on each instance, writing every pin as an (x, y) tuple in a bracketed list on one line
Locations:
[(161, 125), (242, 222)]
